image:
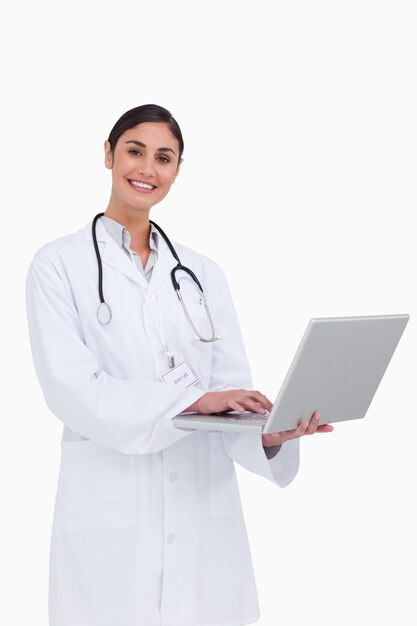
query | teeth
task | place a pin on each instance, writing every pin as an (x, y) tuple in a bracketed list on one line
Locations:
[(136, 183)]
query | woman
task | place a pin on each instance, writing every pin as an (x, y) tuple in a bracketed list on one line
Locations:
[(148, 527)]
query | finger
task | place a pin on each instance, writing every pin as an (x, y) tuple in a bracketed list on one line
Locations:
[(325, 428), (314, 422), (252, 405), (259, 397), (235, 406), (301, 429)]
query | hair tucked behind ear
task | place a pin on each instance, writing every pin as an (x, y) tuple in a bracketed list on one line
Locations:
[(141, 114)]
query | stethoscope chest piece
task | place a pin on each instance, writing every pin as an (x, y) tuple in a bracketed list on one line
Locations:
[(104, 314)]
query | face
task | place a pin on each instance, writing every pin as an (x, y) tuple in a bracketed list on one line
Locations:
[(144, 165)]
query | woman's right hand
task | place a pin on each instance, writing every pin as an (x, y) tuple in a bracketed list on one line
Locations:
[(232, 400)]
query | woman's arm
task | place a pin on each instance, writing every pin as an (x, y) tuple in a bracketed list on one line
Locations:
[(130, 416)]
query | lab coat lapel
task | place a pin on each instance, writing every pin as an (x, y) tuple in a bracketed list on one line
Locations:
[(164, 265), (111, 254)]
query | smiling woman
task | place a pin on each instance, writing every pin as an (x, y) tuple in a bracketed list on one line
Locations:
[(148, 526), (143, 152)]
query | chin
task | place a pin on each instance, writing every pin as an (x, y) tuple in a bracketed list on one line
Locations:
[(140, 204)]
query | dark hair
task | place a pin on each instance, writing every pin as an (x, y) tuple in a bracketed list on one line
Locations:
[(145, 113)]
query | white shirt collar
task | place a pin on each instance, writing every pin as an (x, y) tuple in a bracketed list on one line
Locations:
[(122, 236)]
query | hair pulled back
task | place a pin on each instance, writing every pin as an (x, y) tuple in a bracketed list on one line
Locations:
[(141, 114)]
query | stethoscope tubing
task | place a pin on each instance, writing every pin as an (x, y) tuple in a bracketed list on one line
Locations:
[(179, 265), (99, 263), (104, 312)]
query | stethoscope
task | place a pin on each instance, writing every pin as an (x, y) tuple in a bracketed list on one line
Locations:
[(104, 312)]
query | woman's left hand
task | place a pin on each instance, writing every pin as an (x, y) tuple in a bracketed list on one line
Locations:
[(305, 428)]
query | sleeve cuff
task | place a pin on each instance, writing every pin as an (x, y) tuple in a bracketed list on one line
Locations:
[(246, 449), (271, 451)]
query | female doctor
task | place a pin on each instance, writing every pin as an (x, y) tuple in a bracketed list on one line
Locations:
[(148, 527)]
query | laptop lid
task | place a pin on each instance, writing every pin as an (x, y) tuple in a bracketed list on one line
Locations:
[(336, 370)]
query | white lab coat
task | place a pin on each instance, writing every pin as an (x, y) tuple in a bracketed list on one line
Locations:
[(148, 527)]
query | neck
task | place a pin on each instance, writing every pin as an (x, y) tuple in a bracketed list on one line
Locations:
[(136, 222)]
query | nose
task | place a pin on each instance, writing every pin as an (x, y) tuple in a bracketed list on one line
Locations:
[(146, 166)]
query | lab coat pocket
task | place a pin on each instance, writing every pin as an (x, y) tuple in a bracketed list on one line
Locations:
[(96, 487), (224, 488)]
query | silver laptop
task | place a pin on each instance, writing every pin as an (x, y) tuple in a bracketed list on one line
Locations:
[(336, 371)]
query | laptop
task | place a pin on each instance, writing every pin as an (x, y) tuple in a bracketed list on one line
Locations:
[(336, 371)]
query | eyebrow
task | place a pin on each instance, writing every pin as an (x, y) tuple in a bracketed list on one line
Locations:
[(143, 145)]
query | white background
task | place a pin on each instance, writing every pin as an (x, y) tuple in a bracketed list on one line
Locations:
[(299, 178)]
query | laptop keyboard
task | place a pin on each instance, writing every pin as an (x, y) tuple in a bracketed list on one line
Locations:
[(249, 417)]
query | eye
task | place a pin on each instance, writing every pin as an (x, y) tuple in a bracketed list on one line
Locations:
[(133, 152), (163, 159)]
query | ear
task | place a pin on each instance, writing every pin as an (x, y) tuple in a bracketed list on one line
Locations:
[(108, 155), (177, 171)]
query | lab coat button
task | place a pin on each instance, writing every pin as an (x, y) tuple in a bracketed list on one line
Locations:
[(151, 297), (173, 477), (171, 539)]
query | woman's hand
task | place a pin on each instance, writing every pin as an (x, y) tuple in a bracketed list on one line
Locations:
[(244, 400), (305, 428), (233, 400)]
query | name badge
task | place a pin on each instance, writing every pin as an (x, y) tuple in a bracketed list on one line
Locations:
[(181, 375)]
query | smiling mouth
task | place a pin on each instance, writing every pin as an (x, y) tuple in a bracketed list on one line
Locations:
[(144, 187)]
